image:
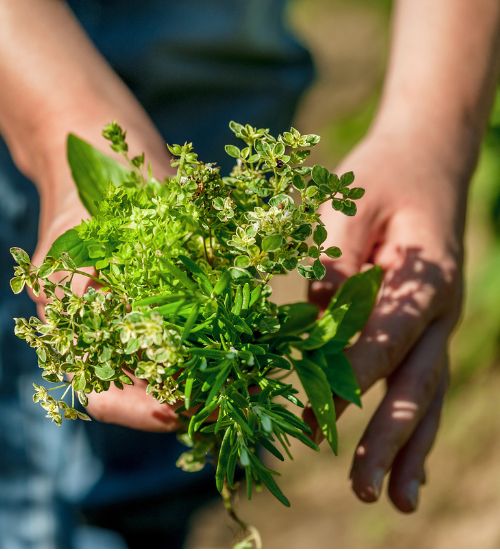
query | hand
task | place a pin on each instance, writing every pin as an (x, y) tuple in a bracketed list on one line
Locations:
[(410, 222), (62, 209)]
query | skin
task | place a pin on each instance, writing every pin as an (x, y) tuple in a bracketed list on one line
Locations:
[(35, 118), (415, 163)]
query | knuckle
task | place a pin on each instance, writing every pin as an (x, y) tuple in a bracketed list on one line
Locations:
[(448, 285)]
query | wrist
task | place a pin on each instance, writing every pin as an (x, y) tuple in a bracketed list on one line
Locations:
[(451, 143), (41, 156)]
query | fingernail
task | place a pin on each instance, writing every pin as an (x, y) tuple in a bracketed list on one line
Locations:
[(412, 491), (377, 481), (371, 492)]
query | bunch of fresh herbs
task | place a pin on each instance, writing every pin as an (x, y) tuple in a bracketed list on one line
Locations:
[(183, 301)]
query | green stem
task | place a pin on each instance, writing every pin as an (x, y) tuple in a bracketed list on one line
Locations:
[(211, 243), (207, 256), (251, 536), (93, 278), (227, 499), (66, 391)]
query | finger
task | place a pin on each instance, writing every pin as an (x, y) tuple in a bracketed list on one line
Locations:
[(134, 408), (407, 399), (410, 300), (408, 472)]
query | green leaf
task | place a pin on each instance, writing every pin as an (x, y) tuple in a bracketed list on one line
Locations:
[(93, 172), (197, 272), (270, 448), (320, 234), (325, 329), (359, 292), (340, 375), (267, 479), (298, 182), (158, 299), (318, 391), (233, 151), (306, 271), (240, 274), (356, 193), (79, 382), (320, 175), (313, 252), (272, 242), (17, 284), (281, 200), (266, 423), (299, 317), (187, 391), (83, 416), (333, 252), (48, 267), (104, 372), (318, 269), (347, 178), (222, 284), (279, 149), (222, 460), (20, 256), (242, 261), (197, 419), (178, 274), (191, 320), (255, 295), (125, 379), (71, 243), (311, 191), (220, 379), (349, 207), (302, 232)]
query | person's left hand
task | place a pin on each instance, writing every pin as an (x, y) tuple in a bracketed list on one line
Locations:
[(410, 222)]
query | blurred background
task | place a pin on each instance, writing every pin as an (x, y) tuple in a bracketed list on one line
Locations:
[(460, 505)]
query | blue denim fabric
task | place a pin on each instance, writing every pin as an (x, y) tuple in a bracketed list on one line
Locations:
[(194, 65)]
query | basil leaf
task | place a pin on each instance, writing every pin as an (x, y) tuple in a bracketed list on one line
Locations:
[(340, 375), (92, 172), (318, 391), (71, 243), (359, 292), (298, 317), (324, 330)]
